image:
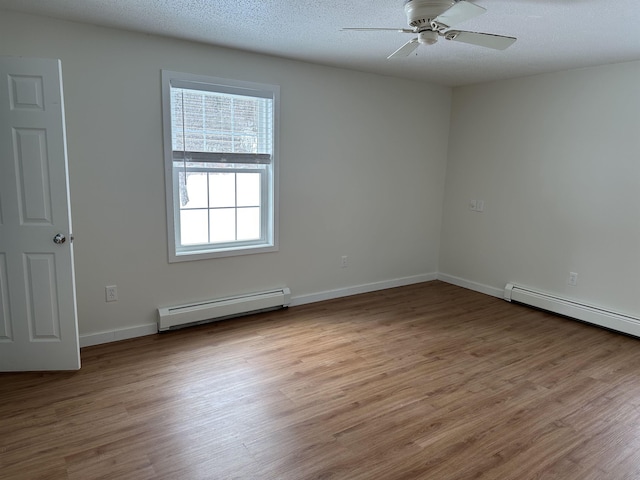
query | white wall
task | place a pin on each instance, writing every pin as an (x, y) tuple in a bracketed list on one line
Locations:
[(556, 158), (362, 171)]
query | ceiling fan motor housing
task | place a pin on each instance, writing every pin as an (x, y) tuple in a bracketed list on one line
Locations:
[(420, 13)]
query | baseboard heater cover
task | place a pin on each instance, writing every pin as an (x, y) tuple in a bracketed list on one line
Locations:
[(179, 316), (569, 308)]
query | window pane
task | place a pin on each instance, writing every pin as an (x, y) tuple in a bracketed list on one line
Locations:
[(218, 110), (248, 189), (245, 143), (223, 225), (248, 223), (193, 141), (195, 191), (222, 189), (176, 120), (193, 113), (193, 227), (218, 142), (246, 114)]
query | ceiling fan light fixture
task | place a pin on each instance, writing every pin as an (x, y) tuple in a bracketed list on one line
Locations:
[(428, 37)]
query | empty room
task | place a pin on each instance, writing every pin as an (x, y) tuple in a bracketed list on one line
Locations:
[(311, 240)]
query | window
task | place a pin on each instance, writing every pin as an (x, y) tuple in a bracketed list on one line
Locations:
[(220, 141)]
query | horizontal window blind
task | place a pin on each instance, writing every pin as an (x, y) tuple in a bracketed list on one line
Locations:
[(221, 127), (218, 157)]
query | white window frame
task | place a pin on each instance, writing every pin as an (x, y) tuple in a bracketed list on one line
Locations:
[(269, 215)]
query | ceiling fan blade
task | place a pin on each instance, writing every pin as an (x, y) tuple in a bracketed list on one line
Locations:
[(458, 13), (497, 42), (405, 50), (401, 30)]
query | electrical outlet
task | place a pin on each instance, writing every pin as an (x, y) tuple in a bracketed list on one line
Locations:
[(476, 205), (111, 293), (573, 279), (344, 261)]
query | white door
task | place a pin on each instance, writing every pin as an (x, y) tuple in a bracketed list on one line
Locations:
[(38, 322)]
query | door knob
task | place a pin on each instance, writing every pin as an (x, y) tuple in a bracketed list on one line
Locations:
[(59, 239)]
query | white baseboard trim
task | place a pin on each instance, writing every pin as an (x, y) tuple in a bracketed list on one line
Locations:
[(357, 289), (475, 286), (91, 339)]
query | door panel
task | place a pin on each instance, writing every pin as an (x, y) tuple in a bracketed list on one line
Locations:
[(42, 312), (26, 92), (38, 319), (32, 165)]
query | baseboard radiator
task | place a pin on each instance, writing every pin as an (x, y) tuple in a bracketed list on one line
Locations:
[(568, 308), (179, 316)]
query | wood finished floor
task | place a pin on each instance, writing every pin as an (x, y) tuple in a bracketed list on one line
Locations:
[(428, 381)]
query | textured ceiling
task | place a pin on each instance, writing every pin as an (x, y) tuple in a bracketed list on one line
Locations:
[(552, 34)]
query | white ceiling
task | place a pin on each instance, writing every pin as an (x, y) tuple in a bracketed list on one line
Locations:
[(552, 34)]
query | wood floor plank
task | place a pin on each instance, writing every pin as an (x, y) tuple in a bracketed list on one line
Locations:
[(428, 381)]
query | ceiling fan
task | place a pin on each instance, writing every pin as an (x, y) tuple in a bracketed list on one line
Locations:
[(431, 19)]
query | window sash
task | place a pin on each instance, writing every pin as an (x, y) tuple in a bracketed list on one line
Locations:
[(265, 218)]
